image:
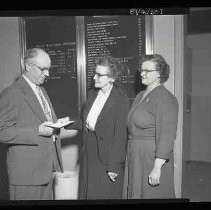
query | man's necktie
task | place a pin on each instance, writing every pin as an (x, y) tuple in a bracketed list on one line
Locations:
[(46, 110)]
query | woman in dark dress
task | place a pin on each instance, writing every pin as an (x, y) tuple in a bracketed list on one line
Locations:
[(104, 134), (152, 126)]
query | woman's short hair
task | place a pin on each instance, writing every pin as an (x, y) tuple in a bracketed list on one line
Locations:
[(160, 64), (115, 66)]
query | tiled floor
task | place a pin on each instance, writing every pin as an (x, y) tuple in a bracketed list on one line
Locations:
[(197, 181)]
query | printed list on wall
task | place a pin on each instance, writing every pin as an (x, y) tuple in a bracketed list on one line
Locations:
[(123, 37), (57, 36), (63, 59)]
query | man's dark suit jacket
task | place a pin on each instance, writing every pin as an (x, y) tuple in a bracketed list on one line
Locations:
[(30, 158)]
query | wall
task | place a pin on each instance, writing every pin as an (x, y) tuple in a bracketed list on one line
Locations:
[(9, 70), (169, 42), (200, 52), (164, 43), (9, 51)]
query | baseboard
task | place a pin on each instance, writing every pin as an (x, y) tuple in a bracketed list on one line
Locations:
[(200, 156)]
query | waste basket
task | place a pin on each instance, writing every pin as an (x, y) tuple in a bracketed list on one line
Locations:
[(66, 185)]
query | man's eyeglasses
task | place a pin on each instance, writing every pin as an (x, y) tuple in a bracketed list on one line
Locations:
[(147, 71), (100, 75), (41, 69)]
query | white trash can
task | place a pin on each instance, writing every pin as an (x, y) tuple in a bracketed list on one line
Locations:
[(66, 185)]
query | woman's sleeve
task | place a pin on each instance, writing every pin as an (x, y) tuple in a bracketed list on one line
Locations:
[(118, 150), (166, 125)]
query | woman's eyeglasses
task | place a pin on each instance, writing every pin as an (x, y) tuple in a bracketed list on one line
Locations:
[(100, 75), (147, 71)]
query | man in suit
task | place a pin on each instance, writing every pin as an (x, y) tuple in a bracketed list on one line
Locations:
[(34, 149)]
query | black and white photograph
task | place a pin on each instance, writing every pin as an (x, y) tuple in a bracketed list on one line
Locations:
[(105, 106)]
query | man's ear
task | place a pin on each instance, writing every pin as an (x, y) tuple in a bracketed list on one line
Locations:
[(28, 67)]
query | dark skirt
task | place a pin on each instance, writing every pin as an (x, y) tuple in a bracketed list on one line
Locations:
[(139, 163), (94, 181)]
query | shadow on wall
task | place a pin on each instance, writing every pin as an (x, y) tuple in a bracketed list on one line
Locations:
[(4, 186)]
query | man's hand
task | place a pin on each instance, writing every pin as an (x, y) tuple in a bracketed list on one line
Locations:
[(44, 130), (112, 176)]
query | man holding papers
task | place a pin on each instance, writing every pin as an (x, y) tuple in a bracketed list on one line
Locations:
[(34, 148)]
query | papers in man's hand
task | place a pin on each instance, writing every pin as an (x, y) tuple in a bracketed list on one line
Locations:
[(59, 124)]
